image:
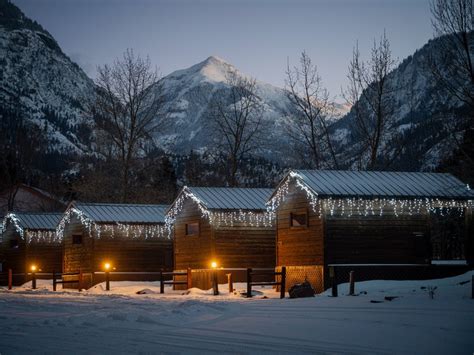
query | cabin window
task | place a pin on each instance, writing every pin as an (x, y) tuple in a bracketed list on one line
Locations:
[(192, 228), (298, 219), (14, 244), (77, 239)]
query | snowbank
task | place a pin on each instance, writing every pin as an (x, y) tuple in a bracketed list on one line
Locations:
[(391, 317)]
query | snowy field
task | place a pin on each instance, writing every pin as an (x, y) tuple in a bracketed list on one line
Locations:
[(122, 321)]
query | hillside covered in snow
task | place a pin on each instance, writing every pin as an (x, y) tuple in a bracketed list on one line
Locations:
[(50, 92), (41, 83)]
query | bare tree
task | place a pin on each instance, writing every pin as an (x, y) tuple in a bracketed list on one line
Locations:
[(311, 111), (128, 108), (455, 19), (368, 93), (236, 114), (452, 65)]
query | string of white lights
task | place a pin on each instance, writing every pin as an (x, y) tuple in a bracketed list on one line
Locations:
[(366, 207), (113, 230), (221, 218), (42, 236), (16, 223)]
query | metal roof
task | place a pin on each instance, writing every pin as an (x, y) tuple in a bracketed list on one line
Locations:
[(32, 220), (231, 198), (123, 213), (340, 183)]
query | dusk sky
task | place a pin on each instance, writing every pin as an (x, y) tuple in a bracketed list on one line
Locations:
[(256, 36)]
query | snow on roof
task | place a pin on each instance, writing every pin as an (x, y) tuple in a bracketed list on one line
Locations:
[(123, 213), (33, 220), (231, 198), (384, 184)]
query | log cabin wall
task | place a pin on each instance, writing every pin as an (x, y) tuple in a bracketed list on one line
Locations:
[(469, 215), (77, 256), (386, 239), (13, 250), (19, 255), (241, 246), (299, 246), (46, 256), (193, 251), (132, 254), (124, 253)]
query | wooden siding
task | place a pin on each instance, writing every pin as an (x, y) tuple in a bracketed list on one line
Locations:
[(299, 246), (13, 258), (125, 254), (235, 246), (243, 246), (195, 252), (377, 239), (46, 256), (469, 235), (77, 256)]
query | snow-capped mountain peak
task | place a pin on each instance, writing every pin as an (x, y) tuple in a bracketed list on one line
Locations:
[(212, 69)]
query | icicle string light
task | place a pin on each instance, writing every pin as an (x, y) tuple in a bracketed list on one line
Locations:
[(16, 223), (29, 235), (45, 236), (116, 229), (218, 219), (366, 207)]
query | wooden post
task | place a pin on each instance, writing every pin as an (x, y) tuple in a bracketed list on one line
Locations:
[(230, 282), (249, 280), (107, 281), (332, 275), (54, 280), (33, 280), (189, 278), (215, 285), (351, 283), (79, 283), (283, 282), (162, 285), (10, 279)]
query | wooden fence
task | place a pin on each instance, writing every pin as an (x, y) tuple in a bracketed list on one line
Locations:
[(251, 273)]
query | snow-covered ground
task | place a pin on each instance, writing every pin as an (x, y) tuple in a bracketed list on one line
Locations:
[(122, 321)]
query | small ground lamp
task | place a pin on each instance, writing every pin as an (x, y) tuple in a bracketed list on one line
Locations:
[(107, 268), (33, 276), (215, 285)]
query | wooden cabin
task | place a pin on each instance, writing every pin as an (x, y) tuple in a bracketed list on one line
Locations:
[(30, 239), (229, 226), (329, 217), (130, 237)]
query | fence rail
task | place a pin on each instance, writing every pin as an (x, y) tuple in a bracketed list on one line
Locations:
[(174, 282), (282, 283)]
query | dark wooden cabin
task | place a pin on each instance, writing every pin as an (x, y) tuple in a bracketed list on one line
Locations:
[(227, 225), (30, 239), (25, 198), (130, 237), (352, 217)]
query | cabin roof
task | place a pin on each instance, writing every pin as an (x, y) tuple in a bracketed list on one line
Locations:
[(123, 213), (231, 198), (384, 184), (36, 220)]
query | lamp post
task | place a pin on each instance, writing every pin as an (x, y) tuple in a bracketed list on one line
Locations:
[(107, 276), (33, 276), (215, 285)]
